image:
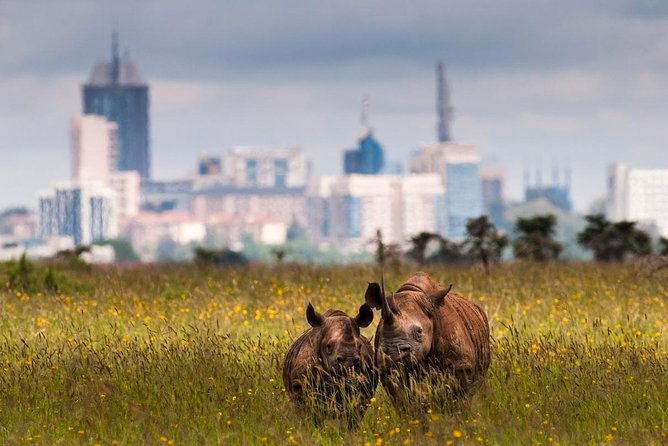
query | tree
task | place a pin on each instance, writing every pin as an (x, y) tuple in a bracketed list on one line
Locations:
[(419, 244), (123, 251), (596, 236), (208, 257), (483, 241), (448, 252), (663, 246), (613, 241), (535, 241)]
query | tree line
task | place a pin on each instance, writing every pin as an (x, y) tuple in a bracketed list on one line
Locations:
[(534, 241)]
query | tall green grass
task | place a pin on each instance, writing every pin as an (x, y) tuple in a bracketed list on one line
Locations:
[(181, 355)]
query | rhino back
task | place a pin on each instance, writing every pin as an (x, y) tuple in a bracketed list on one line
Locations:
[(420, 282), (461, 336)]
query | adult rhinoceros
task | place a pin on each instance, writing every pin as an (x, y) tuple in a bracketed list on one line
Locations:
[(428, 334)]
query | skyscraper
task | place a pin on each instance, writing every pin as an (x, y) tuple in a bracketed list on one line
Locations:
[(459, 167), (367, 158), (116, 91)]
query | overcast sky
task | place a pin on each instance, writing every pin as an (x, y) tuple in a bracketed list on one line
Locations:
[(533, 83)]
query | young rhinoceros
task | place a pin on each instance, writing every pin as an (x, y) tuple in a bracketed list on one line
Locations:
[(328, 370), (428, 334)]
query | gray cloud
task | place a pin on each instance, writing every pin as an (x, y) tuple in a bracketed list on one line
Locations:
[(532, 80)]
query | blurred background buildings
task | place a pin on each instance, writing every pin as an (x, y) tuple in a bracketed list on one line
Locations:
[(243, 197)]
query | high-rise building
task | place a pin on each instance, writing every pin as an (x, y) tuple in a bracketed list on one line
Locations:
[(459, 168), (84, 212), (94, 147), (638, 195), (116, 91), (367, 158)]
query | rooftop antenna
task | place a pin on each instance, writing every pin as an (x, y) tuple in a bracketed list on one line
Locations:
[(539, 178), (555, 174), (115, 59), (443, 104), (364, 114)]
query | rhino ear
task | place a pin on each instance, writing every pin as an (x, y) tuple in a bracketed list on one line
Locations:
[(314, 318), (364, 316), (439, 297), (373, 296)]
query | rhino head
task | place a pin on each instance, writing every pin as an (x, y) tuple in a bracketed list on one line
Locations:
[(338, 342), (407, 330)]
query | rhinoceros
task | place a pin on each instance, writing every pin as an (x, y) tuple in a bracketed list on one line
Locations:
[(329, 371), (426, 333)]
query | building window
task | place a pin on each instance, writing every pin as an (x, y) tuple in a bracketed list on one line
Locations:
[(280, 172), (251, 172), (354, 216)]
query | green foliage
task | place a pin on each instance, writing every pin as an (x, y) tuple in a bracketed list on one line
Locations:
[(25, 276), (613, 241), (535, 240), (72, 258), (419, 242), (208, 257), (483, 242), (448, 253), (123, 251), (663, 246), (21, 275)]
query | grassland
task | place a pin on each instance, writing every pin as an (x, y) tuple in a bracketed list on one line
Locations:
[(180, 355)]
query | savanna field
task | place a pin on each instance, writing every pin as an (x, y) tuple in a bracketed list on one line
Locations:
[(176, 354)]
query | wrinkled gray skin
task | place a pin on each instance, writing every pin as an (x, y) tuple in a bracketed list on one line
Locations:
[(424, 326), (332, 349)]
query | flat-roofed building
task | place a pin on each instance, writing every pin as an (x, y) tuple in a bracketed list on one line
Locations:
[(638, 195)]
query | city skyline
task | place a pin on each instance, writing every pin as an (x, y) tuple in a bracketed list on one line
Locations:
[(586, 89)]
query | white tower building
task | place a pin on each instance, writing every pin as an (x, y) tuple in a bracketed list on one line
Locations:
[(94, 147), (638, 195)]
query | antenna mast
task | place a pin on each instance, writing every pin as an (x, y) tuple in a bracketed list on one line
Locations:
[(443, 104), (115, 59)]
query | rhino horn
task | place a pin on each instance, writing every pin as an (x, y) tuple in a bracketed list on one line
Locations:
[(375, 298)]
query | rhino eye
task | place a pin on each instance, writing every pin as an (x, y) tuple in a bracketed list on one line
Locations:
[(418, 333), (328, 348)]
